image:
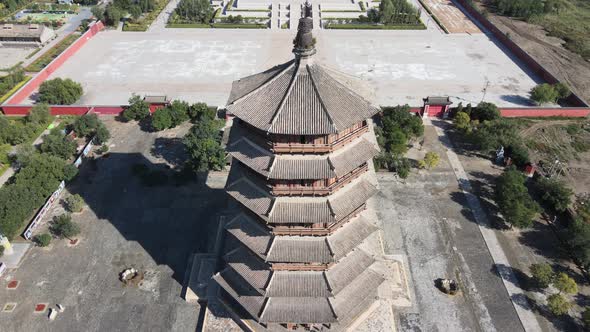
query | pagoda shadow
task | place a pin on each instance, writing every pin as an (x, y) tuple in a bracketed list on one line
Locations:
[(171, 215)]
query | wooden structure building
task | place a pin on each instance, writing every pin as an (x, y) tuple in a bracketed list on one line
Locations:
[(301, 148)]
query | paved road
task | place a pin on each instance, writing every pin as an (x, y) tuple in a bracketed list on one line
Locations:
[(159, 23), (516, 293)]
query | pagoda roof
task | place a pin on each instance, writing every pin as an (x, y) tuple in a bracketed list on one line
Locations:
[(299, 97), (301, 166), (255, 195), (300, 249)]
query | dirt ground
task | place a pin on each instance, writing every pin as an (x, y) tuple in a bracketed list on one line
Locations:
[(451, 17), (567, 66), (568, 142)]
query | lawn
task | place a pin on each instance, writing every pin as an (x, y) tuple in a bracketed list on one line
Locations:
[(52, 53), (40, 17)]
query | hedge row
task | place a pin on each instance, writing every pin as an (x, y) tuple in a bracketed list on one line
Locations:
[(14, 89), (374, 27), (217, 26), (52, 53)]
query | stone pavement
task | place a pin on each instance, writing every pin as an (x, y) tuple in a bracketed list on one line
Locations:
[(517, 294)]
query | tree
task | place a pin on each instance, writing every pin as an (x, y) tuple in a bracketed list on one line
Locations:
[(58, 145), (431, 160), (554, 193), (485, 112), (558, 304), (89, 125), (396, 142), (196, 11), (112, 15), (74, 203), (563, 91), (161, 119), (544, 93), (203, 146), (542, 274), (201, 111), (462, 122), (490, 135), (23, 156), (102, 134), (401, 117), (178, 112), (578, 238), (586, 317), (42, 240), (135, 11), (513, 199), (60, 91), (138, 109), (519, 154), (565, 284), (39, 114), (63, 227), (98, 12)]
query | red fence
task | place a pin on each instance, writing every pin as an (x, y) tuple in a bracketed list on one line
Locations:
[(521, 54), (54, 65)]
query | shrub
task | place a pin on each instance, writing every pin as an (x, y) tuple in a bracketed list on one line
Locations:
[(485, 112), (161, 119), (63, 227), (544, 93), (554, 193), (42, 240), (563, 91), (39, 114), (74, 203), (542, 274), (58, 145), (519, 154), (558, 304), (565, 284), (431, 160), (60, 91)]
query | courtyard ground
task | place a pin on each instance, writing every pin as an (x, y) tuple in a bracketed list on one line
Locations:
[(126, 224), (200, 64)]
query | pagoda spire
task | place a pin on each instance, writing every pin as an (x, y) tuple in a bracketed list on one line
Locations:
[(304, 42)]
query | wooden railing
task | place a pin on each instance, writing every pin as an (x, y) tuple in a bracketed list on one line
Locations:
[(320, 191), (318, 148), (329, 229), (299, 267)]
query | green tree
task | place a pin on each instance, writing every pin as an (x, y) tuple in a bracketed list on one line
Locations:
[(485, 112), (98, 12), (135, 12), (490, 135), (112, 15), (462, 122), (578, 238), (586, 317), (60, 91), (554, 193), (513, 199), (543, 274), (24, 154), (138, 109), (544, 93), (178, 112), (102, 134), (196, 11), (558, 304), (200, 111), (39, 114), (565, 284), (63, 227), (563, 91), (89, 125), (58, 145), (161, 119), (401, 117), (519, 154), (203, 146), (42, 240), (74, 203)]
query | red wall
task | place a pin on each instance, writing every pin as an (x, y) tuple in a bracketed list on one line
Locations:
[(34, 84), (22, 110), (573, 112), (523, 56)]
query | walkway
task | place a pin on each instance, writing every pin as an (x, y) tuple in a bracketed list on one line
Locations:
[(516, 293), (159, 23)]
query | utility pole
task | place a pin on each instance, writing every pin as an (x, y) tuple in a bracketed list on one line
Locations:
[(485, 89)]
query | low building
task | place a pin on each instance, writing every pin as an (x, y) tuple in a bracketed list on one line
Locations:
[(25, 33)]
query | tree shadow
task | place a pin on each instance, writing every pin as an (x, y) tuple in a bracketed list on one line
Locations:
[(540, 238), (518, 100), (171, 150), (170, 221), (522, 279)]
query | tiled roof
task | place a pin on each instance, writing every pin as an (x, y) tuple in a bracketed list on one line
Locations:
[(345, 201), (297, 99), (289, 210), (298, 284), (348, 269), (299, 249), (250, 233), (297, 309)]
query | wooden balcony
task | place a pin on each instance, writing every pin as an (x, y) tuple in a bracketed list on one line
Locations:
[(323, 231), (319, 191), (318, 148)]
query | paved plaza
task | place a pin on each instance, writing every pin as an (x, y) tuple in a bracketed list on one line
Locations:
[(126, 224), (200, 64)]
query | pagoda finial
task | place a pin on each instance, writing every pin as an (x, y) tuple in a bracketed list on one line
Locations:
[(304, 43)]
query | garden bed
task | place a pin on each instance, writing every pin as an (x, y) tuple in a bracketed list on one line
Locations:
[(52, 53), (145, 22), (217, 26), (14, 89)]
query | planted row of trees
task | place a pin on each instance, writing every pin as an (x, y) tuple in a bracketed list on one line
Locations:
[(193, 11), (392, 12), (115, 11), (549, 93), (17, 131), (527, 8)]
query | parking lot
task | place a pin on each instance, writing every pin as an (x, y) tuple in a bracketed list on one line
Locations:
[(200, 64), (125, 224)]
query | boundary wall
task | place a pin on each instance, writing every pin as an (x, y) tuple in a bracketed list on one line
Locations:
[(522, 112), (521, 54), (23, 110), (24, 92)]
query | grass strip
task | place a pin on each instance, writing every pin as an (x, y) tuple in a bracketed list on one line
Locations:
[(14, 89), (52, 53)]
